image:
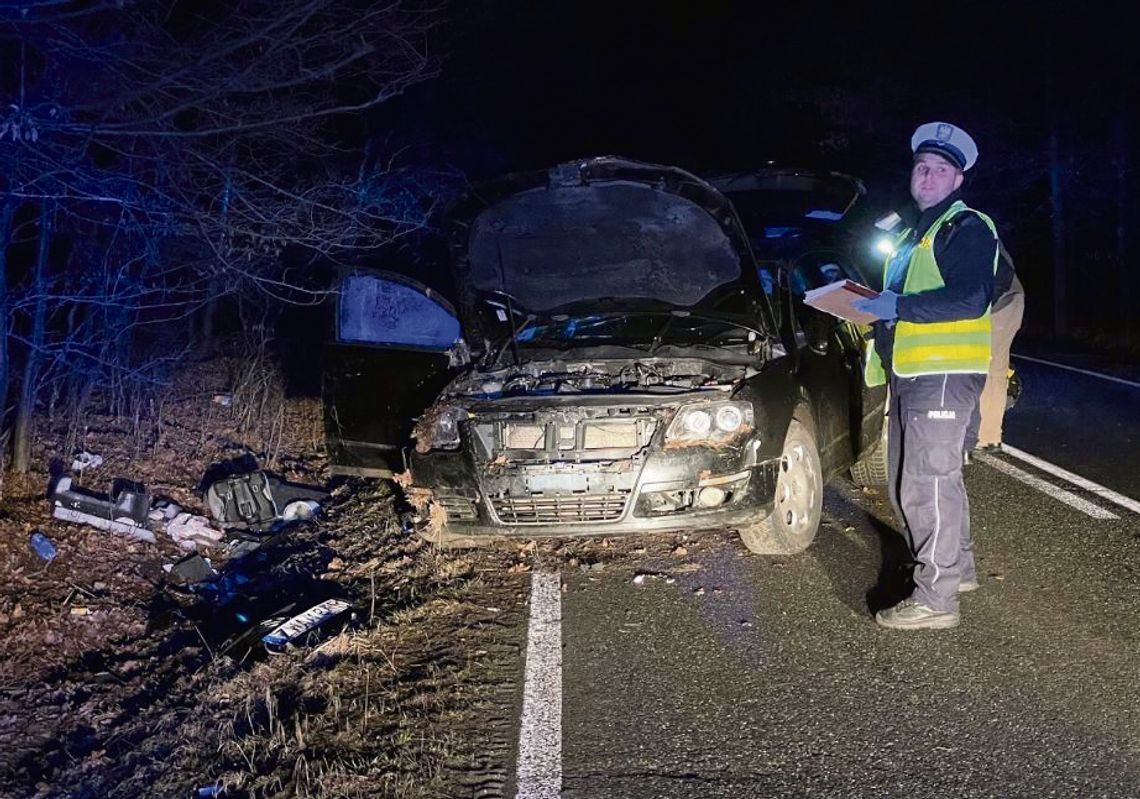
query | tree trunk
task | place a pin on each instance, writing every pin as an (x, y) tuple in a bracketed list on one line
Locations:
[(7, 211), (1056, 187), (25, 411)]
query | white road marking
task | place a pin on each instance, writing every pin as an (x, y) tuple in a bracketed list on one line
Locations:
[(1068, 497), (1075, 479), (540, 732), (1079, 371)]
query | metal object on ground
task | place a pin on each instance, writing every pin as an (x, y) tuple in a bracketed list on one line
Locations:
[(306, 623)]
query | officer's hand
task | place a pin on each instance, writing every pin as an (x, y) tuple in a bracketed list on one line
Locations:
[(885, 306)]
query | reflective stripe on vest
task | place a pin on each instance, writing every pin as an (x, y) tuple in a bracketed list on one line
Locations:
[(935, 347)]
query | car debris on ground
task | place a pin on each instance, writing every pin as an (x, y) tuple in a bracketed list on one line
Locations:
[(43, 546), (308, 625), (191, 531), (123, 511), (85, 460), (255, 501)]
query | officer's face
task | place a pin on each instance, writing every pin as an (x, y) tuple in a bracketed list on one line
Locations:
[(932, 180)]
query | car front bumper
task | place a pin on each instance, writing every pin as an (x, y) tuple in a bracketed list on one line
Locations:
[(682, 488)]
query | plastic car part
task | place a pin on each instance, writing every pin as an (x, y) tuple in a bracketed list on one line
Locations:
[(125, 512), (794, 520)]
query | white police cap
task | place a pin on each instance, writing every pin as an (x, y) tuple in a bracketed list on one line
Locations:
[(946, 140)]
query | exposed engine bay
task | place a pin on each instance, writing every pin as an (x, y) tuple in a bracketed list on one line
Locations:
[(649, 375)]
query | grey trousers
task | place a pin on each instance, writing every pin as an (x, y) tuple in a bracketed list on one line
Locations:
[(928, 420)]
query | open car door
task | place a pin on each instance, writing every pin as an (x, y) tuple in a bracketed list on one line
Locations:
[(397, 344)]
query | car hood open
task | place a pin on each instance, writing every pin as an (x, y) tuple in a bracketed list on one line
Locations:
[(610, 230)]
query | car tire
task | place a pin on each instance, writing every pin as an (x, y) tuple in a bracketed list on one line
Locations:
[(794, 520), (871, 469)]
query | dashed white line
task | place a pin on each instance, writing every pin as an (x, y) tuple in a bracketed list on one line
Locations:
[(1068, 497), (1088, 372), (540, 732), (1075, 479)]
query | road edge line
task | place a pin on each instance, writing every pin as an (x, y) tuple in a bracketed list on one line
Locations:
[(1075, 479), (1088, 372), (1045, 487), (539, 774)]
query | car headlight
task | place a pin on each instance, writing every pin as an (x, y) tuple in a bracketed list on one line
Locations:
[(729, 418), (697, 423), (439, 429), (710, 422)]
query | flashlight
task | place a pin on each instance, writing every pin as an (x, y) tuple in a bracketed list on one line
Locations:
[(884, 246)]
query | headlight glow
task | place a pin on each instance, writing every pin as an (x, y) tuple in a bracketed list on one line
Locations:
[(884, 246), (729, 418)]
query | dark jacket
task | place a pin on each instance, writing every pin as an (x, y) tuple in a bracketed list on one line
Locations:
[(964, 249)]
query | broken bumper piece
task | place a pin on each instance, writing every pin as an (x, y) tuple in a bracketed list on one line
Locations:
[(125, 513)]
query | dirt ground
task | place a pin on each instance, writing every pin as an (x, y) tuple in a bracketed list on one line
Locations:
[(116, 682)]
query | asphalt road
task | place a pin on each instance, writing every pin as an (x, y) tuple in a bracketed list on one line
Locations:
[(725, 674)]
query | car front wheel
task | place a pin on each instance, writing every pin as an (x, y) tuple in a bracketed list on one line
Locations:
[(799, 499)]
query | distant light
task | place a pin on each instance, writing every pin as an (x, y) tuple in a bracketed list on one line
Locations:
[(775, 232), (819, 213), (884, 246)]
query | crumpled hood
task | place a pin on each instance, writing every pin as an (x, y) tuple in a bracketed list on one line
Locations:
[(604, 228)]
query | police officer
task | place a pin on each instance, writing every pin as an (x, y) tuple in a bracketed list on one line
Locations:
[(933, 341)]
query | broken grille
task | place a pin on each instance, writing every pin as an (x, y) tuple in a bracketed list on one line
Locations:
[(457, 507), (621, 436), (561, 508)]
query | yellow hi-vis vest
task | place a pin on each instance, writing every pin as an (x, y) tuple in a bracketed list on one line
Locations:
[(926, 348)]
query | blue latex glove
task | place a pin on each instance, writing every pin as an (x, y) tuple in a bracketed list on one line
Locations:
[(885, 306)]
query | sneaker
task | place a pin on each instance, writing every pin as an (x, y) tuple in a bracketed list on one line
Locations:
[(910, 615), (966, 586)]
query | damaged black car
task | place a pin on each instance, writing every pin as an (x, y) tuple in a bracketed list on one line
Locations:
[(613, 363)]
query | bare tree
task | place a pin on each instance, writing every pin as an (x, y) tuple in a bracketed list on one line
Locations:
[(184, 152)]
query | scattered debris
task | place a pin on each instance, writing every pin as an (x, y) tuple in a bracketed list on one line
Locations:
[(308, 625), (86, 460), (163, 510), (254, 500), (680, 551), (43, 546), (125, 511), (191, 570), (641, 577), (225, 400), (300, 510), (191, 531)]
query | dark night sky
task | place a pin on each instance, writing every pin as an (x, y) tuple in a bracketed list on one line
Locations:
[(714, 84), (718, 86)]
